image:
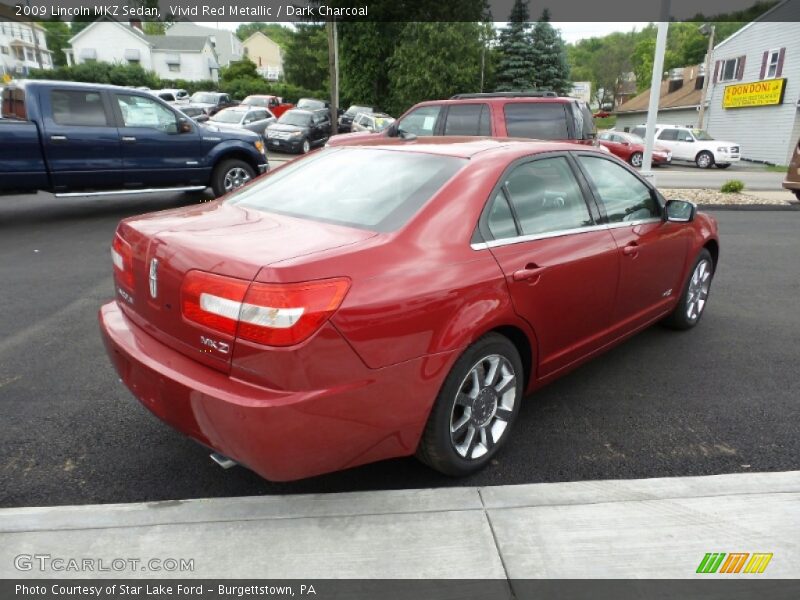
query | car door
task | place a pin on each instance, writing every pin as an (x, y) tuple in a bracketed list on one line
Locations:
[(155, 153), (687, 148), (320, 127), (80, 139), (560, 264), (668, 138), (652, 251)]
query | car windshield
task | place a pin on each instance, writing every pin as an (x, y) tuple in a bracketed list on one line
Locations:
[(702, 135), (390, 188), (639, 132), (227, 116), (353, 110), (256, 101), (310, 103), (204, 98), (295, 118)]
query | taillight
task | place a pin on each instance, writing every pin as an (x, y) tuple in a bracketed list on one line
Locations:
[(122, 257), (266, 313)]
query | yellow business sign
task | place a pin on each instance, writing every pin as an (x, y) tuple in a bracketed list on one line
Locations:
[(757, 93)]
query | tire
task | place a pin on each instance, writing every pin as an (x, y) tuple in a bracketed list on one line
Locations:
[(704, 160), (723, 166), (636, 159), (229, 175), (797, 195), (695, 294), (306, 147), (467, 427)]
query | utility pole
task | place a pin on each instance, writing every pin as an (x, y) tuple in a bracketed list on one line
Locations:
[(655, 91), (709, 30), (333, 71)]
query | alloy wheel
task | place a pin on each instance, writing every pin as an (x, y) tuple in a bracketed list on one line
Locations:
[(235, 178), (699, 285), (483, 406), (636, 160)]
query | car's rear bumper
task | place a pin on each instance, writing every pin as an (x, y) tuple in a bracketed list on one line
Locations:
[(792, 185), (280, 434)]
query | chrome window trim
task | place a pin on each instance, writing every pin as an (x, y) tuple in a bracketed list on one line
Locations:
[(560, 233)]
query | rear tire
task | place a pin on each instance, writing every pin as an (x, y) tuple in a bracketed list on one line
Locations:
[(636, 159), (475, 409), (229, 175), (797, 195), (695, 294), (723, 166), (704, 160)]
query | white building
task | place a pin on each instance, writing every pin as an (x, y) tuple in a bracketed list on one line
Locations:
[(22, 46), (170, 57), (754, 94), (227, 46)]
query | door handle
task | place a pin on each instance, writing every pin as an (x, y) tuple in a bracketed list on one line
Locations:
[(531, 271), (631, 250), (128, 138), (58, 138)]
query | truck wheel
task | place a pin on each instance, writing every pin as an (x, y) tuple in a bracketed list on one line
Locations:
[(704, 160), (229, 175)]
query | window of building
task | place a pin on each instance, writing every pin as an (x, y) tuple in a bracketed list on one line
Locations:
[(4, 49), (773, 58), (728, 69), (174, 68)]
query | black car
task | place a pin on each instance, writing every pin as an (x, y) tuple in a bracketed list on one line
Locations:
[(346, 120), (212, 102), (299, 130)]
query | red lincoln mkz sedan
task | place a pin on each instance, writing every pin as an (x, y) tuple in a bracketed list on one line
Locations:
[(313, 321)]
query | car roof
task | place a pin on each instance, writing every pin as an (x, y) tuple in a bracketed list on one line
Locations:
[(34, 83), (501, 100), (469, 147)]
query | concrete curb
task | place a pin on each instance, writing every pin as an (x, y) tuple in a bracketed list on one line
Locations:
[(594, 529)]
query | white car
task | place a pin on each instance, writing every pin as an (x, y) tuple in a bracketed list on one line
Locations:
[(695, 145), (173, 96)]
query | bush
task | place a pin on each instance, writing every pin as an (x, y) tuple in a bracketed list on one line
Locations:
[(101, 72), (733, 186)]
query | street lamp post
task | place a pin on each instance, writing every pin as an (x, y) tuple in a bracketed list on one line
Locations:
[(706, 29), (655, 91)]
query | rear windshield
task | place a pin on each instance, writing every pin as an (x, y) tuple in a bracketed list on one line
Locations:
[(379, 190), (538, 120)]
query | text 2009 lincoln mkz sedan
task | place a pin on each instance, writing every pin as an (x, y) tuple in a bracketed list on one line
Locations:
[(316, 320)]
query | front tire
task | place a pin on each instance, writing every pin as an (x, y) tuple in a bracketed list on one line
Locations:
[(723, 166), (797, 195), (230, 175), (475, 409), (305, 148), (636, 159), (695, 294), (704, 160)]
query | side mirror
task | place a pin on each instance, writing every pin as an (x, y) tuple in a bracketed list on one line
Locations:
[(184, 126), (680, 211), (201, 118), (393, 129)]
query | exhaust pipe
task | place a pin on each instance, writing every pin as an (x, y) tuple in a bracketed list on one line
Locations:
[(223, 461)]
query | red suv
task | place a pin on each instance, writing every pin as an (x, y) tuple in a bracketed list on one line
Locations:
[(536, 115)]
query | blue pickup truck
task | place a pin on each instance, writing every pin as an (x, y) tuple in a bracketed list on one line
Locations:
[(77, 139)]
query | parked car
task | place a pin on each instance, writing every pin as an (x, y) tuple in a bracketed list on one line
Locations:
[(173, 96), (346, 120), (630, 148), (694, 145), (245, 117), (78, 139), (212, 102), (275, 104), (299, 130), (193, 112), (371, 122), (315, 321), (792, 181), (538, 115), (313, 104)]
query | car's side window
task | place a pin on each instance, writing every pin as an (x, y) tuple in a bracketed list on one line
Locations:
[(78, 108), (467, 119), (138, 111), (546, 197), (500, 220), (537, 120), (685, 136), (625, 196), (668, 135), (421, 121), (605, 136)]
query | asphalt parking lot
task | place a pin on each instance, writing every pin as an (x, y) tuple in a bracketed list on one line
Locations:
[(722, 398)]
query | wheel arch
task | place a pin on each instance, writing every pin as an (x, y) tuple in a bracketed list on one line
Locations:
[(712, 246), (235, 153)]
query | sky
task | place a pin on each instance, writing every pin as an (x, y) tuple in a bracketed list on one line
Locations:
[(571, 32)]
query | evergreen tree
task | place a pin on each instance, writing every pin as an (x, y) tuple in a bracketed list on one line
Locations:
[(515, 69), (551, 69)]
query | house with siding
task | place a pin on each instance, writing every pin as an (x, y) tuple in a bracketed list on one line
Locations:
[(225, 43), (191, 58), (754, 94), (266, 54), (23, 45)]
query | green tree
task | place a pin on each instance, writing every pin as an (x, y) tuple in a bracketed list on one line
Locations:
[(278, 33), (450, 56), (551, 69), (515, 69), (57, 35), (305, 63), (239, 69)]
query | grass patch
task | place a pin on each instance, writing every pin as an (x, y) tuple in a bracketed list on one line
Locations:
[(734, 186), (605, 122), (776, 168)]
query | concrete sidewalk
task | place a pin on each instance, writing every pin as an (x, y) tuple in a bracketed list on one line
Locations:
[(650, 528)]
